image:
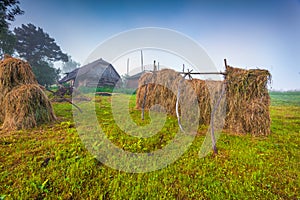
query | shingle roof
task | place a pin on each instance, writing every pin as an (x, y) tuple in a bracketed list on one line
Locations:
[(69, 76), (136, 76), (100, 64)]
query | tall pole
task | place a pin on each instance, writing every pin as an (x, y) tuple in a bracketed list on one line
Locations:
[(142, 61), (127, 66), (225, 62)]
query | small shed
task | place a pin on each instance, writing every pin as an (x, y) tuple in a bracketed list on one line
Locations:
[(99, 73), (133, 81)]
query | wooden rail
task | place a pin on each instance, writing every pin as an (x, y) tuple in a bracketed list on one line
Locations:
[(204, 73)]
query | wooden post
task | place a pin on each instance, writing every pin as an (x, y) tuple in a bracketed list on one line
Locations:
[(157, 66), (225, 62), (144, 102), (127, 66), (142, 61), (212, 130), (154, 66), (182, 68), (177, 105)]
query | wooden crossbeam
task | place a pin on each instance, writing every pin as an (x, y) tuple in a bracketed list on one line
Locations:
[(203, 73)]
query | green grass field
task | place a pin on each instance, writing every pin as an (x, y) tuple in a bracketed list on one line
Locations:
[(50, 162), (285, 98)]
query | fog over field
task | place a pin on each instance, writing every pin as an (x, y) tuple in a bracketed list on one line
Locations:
[(250, 34)]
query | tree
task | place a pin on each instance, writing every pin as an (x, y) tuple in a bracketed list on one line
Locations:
[(70, 65), (34, 45), (40, 50), (7, 42), (8, 10), (45, 73)]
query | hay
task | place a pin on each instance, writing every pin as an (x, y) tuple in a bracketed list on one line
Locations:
[(23, 104), (248, 101), (13, 72), (162, 89), (247, 97), (207, 93), (27, 106)]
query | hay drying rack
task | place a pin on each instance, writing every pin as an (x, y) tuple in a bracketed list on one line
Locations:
[(189, 73)]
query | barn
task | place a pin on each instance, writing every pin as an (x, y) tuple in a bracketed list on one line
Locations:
[(99, 73)]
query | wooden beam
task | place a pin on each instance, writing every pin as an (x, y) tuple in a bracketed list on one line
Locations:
[(203, 73)]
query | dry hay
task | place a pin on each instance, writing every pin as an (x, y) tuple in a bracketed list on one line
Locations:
[(207, 94), (247, 97), (26, 107), (248, 101), (23, 104), (13, 72), (162, 88)]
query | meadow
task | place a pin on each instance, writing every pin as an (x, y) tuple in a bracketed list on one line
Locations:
[(51, 162)]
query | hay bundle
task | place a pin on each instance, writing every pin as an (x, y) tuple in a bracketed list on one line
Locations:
[(25, 107), (13, 72), (23, 104), (207, 94), (203, 99), (248, 101), (247, 97), (162, 88)]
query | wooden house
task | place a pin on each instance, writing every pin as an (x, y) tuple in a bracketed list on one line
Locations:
[(95, 74)]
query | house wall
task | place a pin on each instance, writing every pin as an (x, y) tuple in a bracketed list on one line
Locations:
[(108, 78), (132, 83)]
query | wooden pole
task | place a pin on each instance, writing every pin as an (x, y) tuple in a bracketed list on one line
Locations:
[(212, 130), (204, 73), (177, 105), (144, 102), (154, 66), (127, 66), (142, 61), (225, 62)]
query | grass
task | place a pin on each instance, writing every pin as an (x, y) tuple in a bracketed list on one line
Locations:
[(285, 98), (107, 89), (51, 162)]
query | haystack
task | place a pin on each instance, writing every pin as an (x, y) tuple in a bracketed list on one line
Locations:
[(246, 92), (162, 88), (22, 102), (27, 106), (13, 72), (248, 101), (207, 94)]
